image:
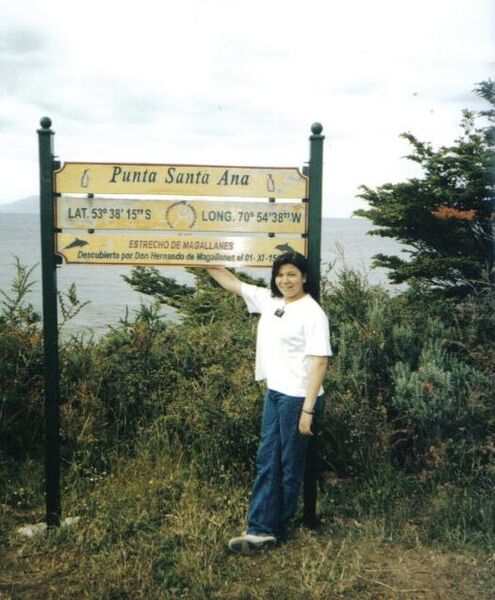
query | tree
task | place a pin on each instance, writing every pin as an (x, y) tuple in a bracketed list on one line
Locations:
[(200, 303), (445, 217)]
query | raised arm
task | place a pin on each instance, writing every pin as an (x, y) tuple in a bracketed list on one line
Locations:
[(226, 279)]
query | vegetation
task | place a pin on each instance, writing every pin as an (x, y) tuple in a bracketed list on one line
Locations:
[(445, 218), (160, 427)]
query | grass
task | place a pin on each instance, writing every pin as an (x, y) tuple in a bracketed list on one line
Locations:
[(154, 528)]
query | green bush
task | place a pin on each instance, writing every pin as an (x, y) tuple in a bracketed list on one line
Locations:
[(409, 385), (406, 385), (21, 371)]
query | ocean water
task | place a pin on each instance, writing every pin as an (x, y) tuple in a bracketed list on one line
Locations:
[(344, 241)]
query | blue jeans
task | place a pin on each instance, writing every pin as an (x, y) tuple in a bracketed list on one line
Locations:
[(280, 465)]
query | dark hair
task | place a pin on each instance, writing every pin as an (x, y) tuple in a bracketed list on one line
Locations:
[(288, 258)]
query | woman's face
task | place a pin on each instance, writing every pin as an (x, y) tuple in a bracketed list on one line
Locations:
[(289, 280)]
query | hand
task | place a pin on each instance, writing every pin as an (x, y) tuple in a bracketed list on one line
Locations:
[(305, 422)]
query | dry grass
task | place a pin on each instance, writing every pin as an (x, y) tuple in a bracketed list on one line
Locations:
[(311, 566), (153, 529)]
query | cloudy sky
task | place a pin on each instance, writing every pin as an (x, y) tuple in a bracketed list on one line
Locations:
[(239, 83)]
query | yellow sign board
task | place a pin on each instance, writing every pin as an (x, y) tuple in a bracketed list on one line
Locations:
[(182, 180), (180, 215), (134, 248)]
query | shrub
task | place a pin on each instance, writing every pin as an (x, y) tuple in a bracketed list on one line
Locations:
[(407, 387), (405, 384), (21, 370)]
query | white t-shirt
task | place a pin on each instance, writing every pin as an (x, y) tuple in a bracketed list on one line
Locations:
[(284, 344)]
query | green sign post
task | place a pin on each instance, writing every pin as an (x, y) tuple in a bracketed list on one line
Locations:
[(130, 247), (50, 325), (315, 171)]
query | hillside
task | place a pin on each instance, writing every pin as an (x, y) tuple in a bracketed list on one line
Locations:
[(24, 206)]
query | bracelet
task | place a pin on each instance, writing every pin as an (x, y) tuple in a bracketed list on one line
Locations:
[(308, 412)]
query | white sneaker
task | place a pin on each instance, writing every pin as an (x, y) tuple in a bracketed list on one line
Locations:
[(250, 542)]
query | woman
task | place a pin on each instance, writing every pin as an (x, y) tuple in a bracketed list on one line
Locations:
[(292, 350)]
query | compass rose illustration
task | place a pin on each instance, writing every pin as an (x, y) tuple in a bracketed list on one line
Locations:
[(181, 215)]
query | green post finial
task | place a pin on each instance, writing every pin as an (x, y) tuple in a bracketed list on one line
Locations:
[(316, 128), (45, 122)]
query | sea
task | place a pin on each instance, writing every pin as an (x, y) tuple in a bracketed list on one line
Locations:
[(345, 242)]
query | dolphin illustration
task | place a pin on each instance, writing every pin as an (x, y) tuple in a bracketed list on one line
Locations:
[(285, 248), (77, 242)]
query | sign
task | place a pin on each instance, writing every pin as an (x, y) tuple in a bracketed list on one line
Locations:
[(182, 180), (134, 248), (131, 247), (180, 215)]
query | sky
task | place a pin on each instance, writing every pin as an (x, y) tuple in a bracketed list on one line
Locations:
[(239, 83)]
